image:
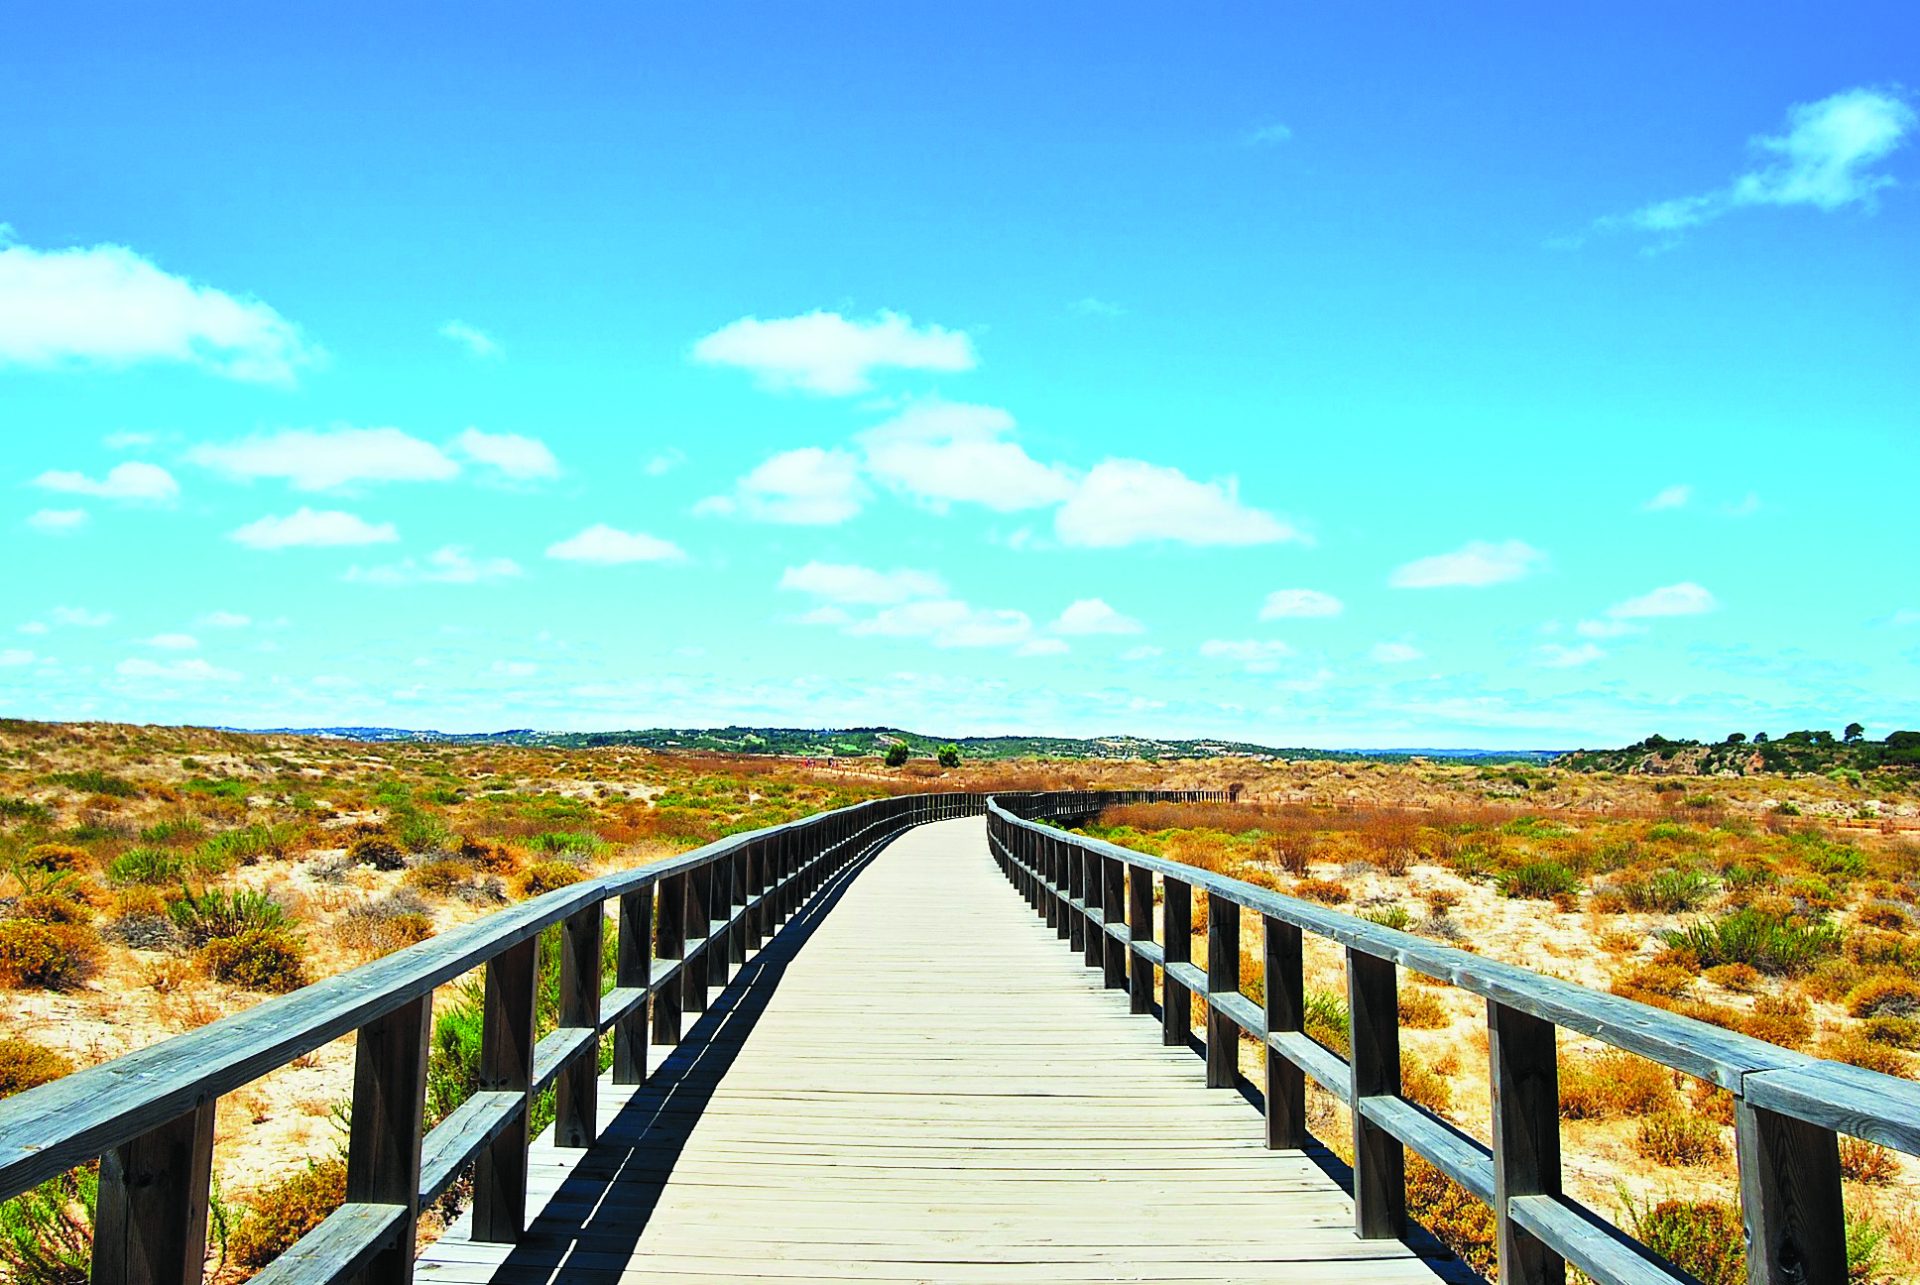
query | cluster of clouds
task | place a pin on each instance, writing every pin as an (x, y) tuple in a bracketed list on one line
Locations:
[(936, 453)]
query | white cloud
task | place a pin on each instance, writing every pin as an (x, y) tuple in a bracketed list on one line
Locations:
[(58, 521), (948, 622), (1042, 647), (130, 481), (226, 620), (1256, 656), (313, 528), (1094, 616), (1268, 135), (1683, 599), (663, 462), (1124, 502), (81, 617), (324, 460), (127, 441), (1089, 306), (1144, 652), (174, 642), (476, 341), (1607, 628), (40, 627), (607, 546), (1825, 159), (522, 459), (847, 583), (1475, 564), (449, 565), (194, 670), (514, 668), (938, 451), (1294, 604), (825, 614), (1673, 497), (805, 487), (12, 656), (106, 305), (823, 352), (1395, 653), (1561, 656)]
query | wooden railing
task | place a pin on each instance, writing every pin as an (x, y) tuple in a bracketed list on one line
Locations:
[(682, 925), (1788, 1107)]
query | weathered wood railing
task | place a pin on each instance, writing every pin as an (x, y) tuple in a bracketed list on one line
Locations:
[(682, 924), (1788, 1107)]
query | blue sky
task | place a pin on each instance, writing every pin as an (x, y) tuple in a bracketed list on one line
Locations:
[(1367, 377)]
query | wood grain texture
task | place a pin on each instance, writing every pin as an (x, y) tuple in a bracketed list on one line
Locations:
[(150, 1225), (383, 1143), (1790, 1197), (1379, 1158), (1524, 1065), (506, 1066), (1032, 1131)]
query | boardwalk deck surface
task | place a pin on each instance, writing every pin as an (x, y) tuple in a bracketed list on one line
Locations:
[(918, 1082)]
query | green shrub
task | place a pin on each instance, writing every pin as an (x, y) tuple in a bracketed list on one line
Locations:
[(1702, 1237), (1388, 917), (174, 830), (422, 832), (897, 754), (281, 1213), (242, 847), (46, 1233), (1676, 1138), (376, 850), (545, 876), (1326, 1021), (94, 781), (579, 844), (24, 1065), (949, 755), (13, 809), (260, 959), (1667, 890), (223, 788), (1539, 881), (210, 915), (144, 865), (1774, 944)]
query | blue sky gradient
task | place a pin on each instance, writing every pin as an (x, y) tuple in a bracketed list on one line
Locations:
[(1379, 376)]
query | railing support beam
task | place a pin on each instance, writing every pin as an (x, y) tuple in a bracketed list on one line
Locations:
[(150, 1221)]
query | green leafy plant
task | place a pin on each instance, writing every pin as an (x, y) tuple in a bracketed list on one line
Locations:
[(1774, 944)]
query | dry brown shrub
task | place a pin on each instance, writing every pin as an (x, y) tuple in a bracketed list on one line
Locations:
[(1739, 978), (1785, 1020), (1855, 1049), (1711, 1102), (1884, 997), (1421, 1084), (1863, 1162), (1422, 1011), (1614, 1084), (1330, 892), (25, 1065), (1676, 1138)]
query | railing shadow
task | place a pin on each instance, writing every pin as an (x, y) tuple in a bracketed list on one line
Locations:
[(595, 1220)]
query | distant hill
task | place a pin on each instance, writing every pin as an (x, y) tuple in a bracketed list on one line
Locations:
[(1816, 752), (861, 742)]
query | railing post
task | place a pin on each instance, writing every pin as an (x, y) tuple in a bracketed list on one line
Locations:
[(576, 1092), (1176, 930), (1223, 977), (720, 910), (1379, 1159), (1283, 977), (737, 889), (693, 973), (1076, 891), (1060, 870), (150, 1222), (383, 1142), (1790, 1198), (633, 968), (506, 1066), (1140, 929), (671, 944), (1524, 1068), (1113, 905), (1095, 953)]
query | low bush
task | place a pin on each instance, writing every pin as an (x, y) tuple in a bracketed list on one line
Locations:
[(1704, 1238), (444, 878), (1389, 917), (1884, 997), (260, 959), (422, 832), (53, 908), (1615, 1084), (210, 915), (1421, 1084), (545, 876), (1326, 1021), (1772, 943), (144, 865), (1855, 1049), (55, 856), (1894, 1032), (1675, 1138), (1329, 892), (376, 850), (94, 781), (381, 927), (578, 844), (494, 858), (46, 956), (46, 1232), (1538, 881), (25, 1064), (277, 1215), (1739, 978), (1422, 1011), (1785, 1020), (1461, 1222), (1863, 1162)]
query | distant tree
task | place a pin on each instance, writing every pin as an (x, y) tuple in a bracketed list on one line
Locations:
[(897, 754), (1759, 738), (949, 755), (1736, 738), (1853, 733), (1823, 737)]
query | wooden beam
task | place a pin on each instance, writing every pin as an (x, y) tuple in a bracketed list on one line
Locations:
[(575, 1123), (1282, 974), (506, 1066), (1176, 929), (1524, 1068), (633, 968), (1140, 929), (383, 1142), (150, 1222), (1790, 1197), (1379, 1158), (1223, 977)]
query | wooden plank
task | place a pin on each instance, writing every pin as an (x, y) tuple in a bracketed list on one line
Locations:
[(459, 1138), (1596, 1247), (1176, 937), (1140, 934), (1223, 978), (383, 1142), (670, 943), (150, 1222), (343, 1246), (506, 1066), (1282, 972), (633, 974)]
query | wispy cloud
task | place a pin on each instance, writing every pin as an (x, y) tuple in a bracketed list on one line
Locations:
[(1474, 565), (1125, 502), (313, 528), (105, 305), (847, 583), (476, 341), (1562, 656), (449, 565), (329, 459), (826, 353), (607, 546), (1095, 616), (58, 521), (1300, 604), (81, 617), (810, 486), (1672, 497), (948, 622), (1395, 653), (130, 481), (193, 670), (1253, 655), (516, 458), (1092, 306), (1269, 135), (1683, 599), (1824, 159)]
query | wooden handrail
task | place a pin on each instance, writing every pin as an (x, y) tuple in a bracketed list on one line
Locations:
[(1789, 1106), (148, 1116)]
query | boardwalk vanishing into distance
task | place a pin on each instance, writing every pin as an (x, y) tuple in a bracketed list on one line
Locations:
[(915, 1083), (929, 1038)]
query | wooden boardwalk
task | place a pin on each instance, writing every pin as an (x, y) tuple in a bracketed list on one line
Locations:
[(915, 1081)]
